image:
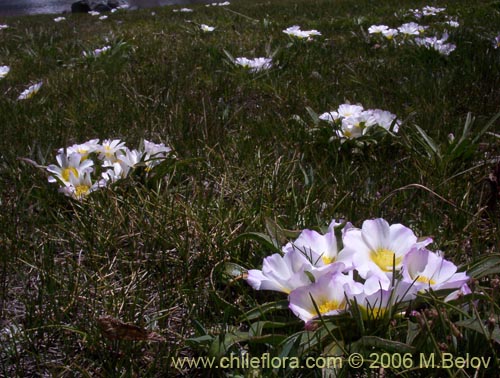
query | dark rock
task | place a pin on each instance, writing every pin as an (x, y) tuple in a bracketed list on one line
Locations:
[(80, 7), (114, 3), (101, 8)]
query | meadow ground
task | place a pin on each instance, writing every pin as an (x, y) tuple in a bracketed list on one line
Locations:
[(84, 283)]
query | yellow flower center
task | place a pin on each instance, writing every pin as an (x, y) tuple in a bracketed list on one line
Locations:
[(372, 313), (81, 190), (385, 258), (426, 280), (66, 173), (328, 306), (327, 260)]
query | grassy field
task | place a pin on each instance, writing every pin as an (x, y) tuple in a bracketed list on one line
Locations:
[(149, 254)]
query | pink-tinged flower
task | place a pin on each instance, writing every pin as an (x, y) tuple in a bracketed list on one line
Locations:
[(496, 42), (69, 166), (429, 270), (30, 91), (374, 303), (438, 44), (378, 248), (96, 52), (457, 294), (319, 249), (377, 29), (154, 153), (3, 26), (326, 296), (281, 272)]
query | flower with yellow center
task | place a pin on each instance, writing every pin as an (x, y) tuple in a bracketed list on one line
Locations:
[(378, 249), (326, 296), (30, 91), (69, 166), (319, 249), (429, 270), (80, 187)]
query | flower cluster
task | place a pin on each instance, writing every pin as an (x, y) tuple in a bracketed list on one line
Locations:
[(375, 268), (438, 44), (84, 168), (426, 11), (412, 32), (353, 121), (296, 32), (254, 65), (96, 52), (223, 4)]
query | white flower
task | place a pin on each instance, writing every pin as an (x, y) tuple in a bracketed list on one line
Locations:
[(377, 29), (295, 31), (255, 65), (109, 149), (390, 33), (374, 303), (3, 26), (81, 186), (431, 11), (104, 17), (348, 110), (83, 149), (154, 153), (96, 52), (184, 10), (207, 28), (94, 13), (326, 296), (30, 91), (428, 270), (411, 28), (129, 159), (4, 70), (69, 165), (437, 44), (59, 19), (453, 23), (320, 249), (385, 119), (496, 42), (281, 273), (329, 116), (377, 249)]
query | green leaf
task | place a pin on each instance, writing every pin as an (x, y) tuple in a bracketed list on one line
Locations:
[(261, 238), (485, 267), (257, 328), (257, 312), (384, 344), (478, 325)]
